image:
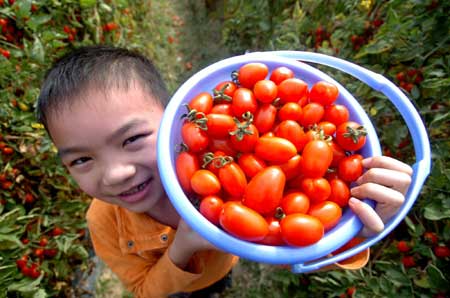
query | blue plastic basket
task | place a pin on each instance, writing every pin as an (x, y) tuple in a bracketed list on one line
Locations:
[(313, 257)]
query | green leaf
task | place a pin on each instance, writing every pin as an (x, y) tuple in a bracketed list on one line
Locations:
[(37, 52), (422, 282), (40, 294), (435, 83), (35, 21), (9, 242), (87, 3), (437, 278), (434, 211), (24, 285)]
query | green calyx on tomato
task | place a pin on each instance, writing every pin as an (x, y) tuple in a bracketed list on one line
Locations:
[(199, 118), (242, 128)]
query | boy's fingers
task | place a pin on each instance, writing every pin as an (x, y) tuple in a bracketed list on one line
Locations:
[(372, 222), (387, 163), (399, 181), (379, 193)]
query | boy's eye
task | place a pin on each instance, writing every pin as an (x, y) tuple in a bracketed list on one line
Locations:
[(133, 139), (80, 161)]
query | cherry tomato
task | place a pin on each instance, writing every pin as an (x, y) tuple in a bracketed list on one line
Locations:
[(205, 183), (351, 136), (223, 145), (301, 229), (274, 236), (317, 156), (224, 91), (328, 127), (275, 149), (280, 74), (317, 189), (245, 139), (243, 101), (264, 117), (336, 114), (233, 179), (222, 108), (312, 114), (195, 138), (265, 190), (295, 202), (202, 102), (243, 222), (292, 90), (251, 73), (290, 111), (219, 125), (340, 192), (186, 164), (251, 164), (265, 91), (291, 168), (329, 213), (350, 168), (213, 161), (323, 93), (293, 132), (211, 207), (338, 153)]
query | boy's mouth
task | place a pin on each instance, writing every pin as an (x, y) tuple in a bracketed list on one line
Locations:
[(136, 189)]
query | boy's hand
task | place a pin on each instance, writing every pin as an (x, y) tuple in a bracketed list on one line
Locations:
[(185, 244), (386, 181)]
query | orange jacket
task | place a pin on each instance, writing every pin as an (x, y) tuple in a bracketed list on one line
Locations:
[(135, 247)]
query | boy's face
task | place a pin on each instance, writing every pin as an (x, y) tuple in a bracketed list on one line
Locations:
[(108, 143)]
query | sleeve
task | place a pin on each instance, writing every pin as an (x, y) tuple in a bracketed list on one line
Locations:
[(151, 277)]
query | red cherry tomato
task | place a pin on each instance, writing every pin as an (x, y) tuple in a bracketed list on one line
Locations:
[(202, 102), (251, 164), (312, 114), (243, 101), (327, 127), (195, 138), (317, 189), (301, 229), (186, 164), (291, 168), (205, 183), (275, 149), (274, 236), (350, 168), (264, 117), (224, 91), (295, 202), (265, 91), (292, 90), (251, 73), (290, 111), (245, 139), (222, 108), (323, 93), (338, 153), (265, 190), (211, 208), (317, 156), (340, 192), (223, 145), (233, 179), (329, 213), (243, 222), (336, 114), (280, 74), (293, 132), (351, 136), (219, 125)]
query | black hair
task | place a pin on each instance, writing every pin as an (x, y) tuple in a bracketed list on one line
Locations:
[(99, 67)]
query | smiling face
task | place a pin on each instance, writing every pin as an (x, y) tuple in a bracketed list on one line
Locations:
[(107, 141)]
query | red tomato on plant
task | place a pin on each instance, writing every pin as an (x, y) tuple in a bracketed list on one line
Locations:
[(202, 102), (350, 168), (340, 192), (403, 246), (243, 222), (195, 138), (251, 164), (317, 156), (251, 73), (329, 213), (317, 189), (211, 207), (219, 125), (441, 251), (280, 74), (186, 164), (301, 229), (275, 149), (351, 136), (336, 113), (264, 117), (274, 236), (265, 190), (205, 183), (295, 202), (324, 93), (292, 90), (233, 179), (265, 91), (243, 101)]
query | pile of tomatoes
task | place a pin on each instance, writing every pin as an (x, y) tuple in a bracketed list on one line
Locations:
[(270, 159)]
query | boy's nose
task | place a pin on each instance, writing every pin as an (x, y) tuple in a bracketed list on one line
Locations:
[(117, 174)]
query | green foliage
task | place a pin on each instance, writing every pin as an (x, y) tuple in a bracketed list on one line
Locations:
[(408, 42)]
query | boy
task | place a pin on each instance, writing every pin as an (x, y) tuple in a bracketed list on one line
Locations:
[(102, 107)]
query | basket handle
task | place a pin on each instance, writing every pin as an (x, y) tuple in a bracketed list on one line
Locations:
[(421, 167)]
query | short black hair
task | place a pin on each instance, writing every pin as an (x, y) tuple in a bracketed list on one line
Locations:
[(100, 67)]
